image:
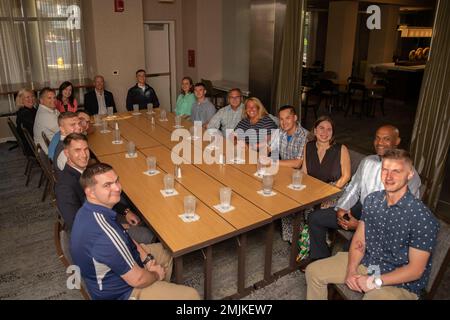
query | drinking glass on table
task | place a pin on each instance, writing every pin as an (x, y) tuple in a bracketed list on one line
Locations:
[(267, 184), (189, 206), (151, 164), (104, 126), (225, 197), (297, 176), (177, 121), (169, 183), (150, 108), (131, 149), (135, 108), (96, 119), (163, 115), (110, 111)]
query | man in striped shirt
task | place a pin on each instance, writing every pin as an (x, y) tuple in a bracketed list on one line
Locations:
[(112, 265)]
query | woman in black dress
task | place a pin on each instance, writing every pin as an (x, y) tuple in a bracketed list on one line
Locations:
[(325, 159)]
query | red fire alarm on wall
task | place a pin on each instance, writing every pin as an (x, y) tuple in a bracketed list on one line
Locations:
[(191, 58), (119, 5)]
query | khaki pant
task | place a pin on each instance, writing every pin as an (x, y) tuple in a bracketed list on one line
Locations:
[(163, 290), (333, 271)]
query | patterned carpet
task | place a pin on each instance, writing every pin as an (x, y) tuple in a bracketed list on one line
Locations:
[(30, 269)]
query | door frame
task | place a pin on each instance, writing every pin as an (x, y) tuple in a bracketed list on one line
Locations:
[(173, 60)]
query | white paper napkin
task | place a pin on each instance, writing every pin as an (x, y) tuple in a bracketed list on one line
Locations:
[(151, 174), (133, 156), (136, 113), (267, 195), (299, 188), (168, 195), (222, 210), (186, 218)]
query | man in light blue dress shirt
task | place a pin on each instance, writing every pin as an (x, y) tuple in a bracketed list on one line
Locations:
[(228, 117)]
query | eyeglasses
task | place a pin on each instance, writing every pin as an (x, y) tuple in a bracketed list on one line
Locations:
[(236, 97)]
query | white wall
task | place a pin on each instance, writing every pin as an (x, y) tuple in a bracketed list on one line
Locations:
[(117, 44)]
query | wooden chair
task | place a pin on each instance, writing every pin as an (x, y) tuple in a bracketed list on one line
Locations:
[(440, 259), (311, 99), (31, 160), (62, 244), (46, 140), (50, 178), (356, 95), (33, 148)]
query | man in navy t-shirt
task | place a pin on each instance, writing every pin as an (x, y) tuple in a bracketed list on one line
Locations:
[(111, 264)]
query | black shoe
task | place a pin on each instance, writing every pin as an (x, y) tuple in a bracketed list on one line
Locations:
[(304, 263)]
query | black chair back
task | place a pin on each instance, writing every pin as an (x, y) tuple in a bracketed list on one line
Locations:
[(16, 134)]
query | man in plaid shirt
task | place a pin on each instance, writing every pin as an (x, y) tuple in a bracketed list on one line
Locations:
[(292, 139)]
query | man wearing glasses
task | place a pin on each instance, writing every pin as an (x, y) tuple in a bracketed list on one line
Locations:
[(228, 117)]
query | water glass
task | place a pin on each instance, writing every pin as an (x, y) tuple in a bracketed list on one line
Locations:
[(267, 184), (297, 176), (169, 184), (151, 163), (150, 108), (117, 138), (135, 108), (96, 119), (110, 111), (189, 206), (104, 126), (131, 149), (225, 197), (178, 121), (163, 115)]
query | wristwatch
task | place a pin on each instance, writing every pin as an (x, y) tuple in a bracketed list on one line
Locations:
[(148, 258), (377, 282)]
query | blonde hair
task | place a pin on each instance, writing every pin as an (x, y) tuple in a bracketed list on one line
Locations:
[(19, 98), (262, 112)]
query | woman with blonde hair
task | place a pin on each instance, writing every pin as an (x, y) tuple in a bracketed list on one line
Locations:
[(26, 112), (254, 118)]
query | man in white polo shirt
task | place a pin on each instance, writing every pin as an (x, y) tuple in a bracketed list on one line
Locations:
[(46, 118)]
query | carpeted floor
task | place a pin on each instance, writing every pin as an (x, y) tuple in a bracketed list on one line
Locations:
[(30, 269)]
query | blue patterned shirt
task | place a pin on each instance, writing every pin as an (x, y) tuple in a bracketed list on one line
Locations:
[(391, 230), (291, 147)]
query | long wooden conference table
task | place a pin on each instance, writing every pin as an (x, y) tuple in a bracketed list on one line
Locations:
[(161, 214)]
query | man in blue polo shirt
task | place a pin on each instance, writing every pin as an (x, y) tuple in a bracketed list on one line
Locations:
[(111, 264), (390, 254)]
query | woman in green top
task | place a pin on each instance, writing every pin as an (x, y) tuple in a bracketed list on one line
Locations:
[(186, 99)]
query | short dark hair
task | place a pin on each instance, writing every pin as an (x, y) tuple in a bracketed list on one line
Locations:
[(45, 90), (73, 137), (88, 177), (200, 84), (66, 115), (288, 107), (398, 154), (140, 70)]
